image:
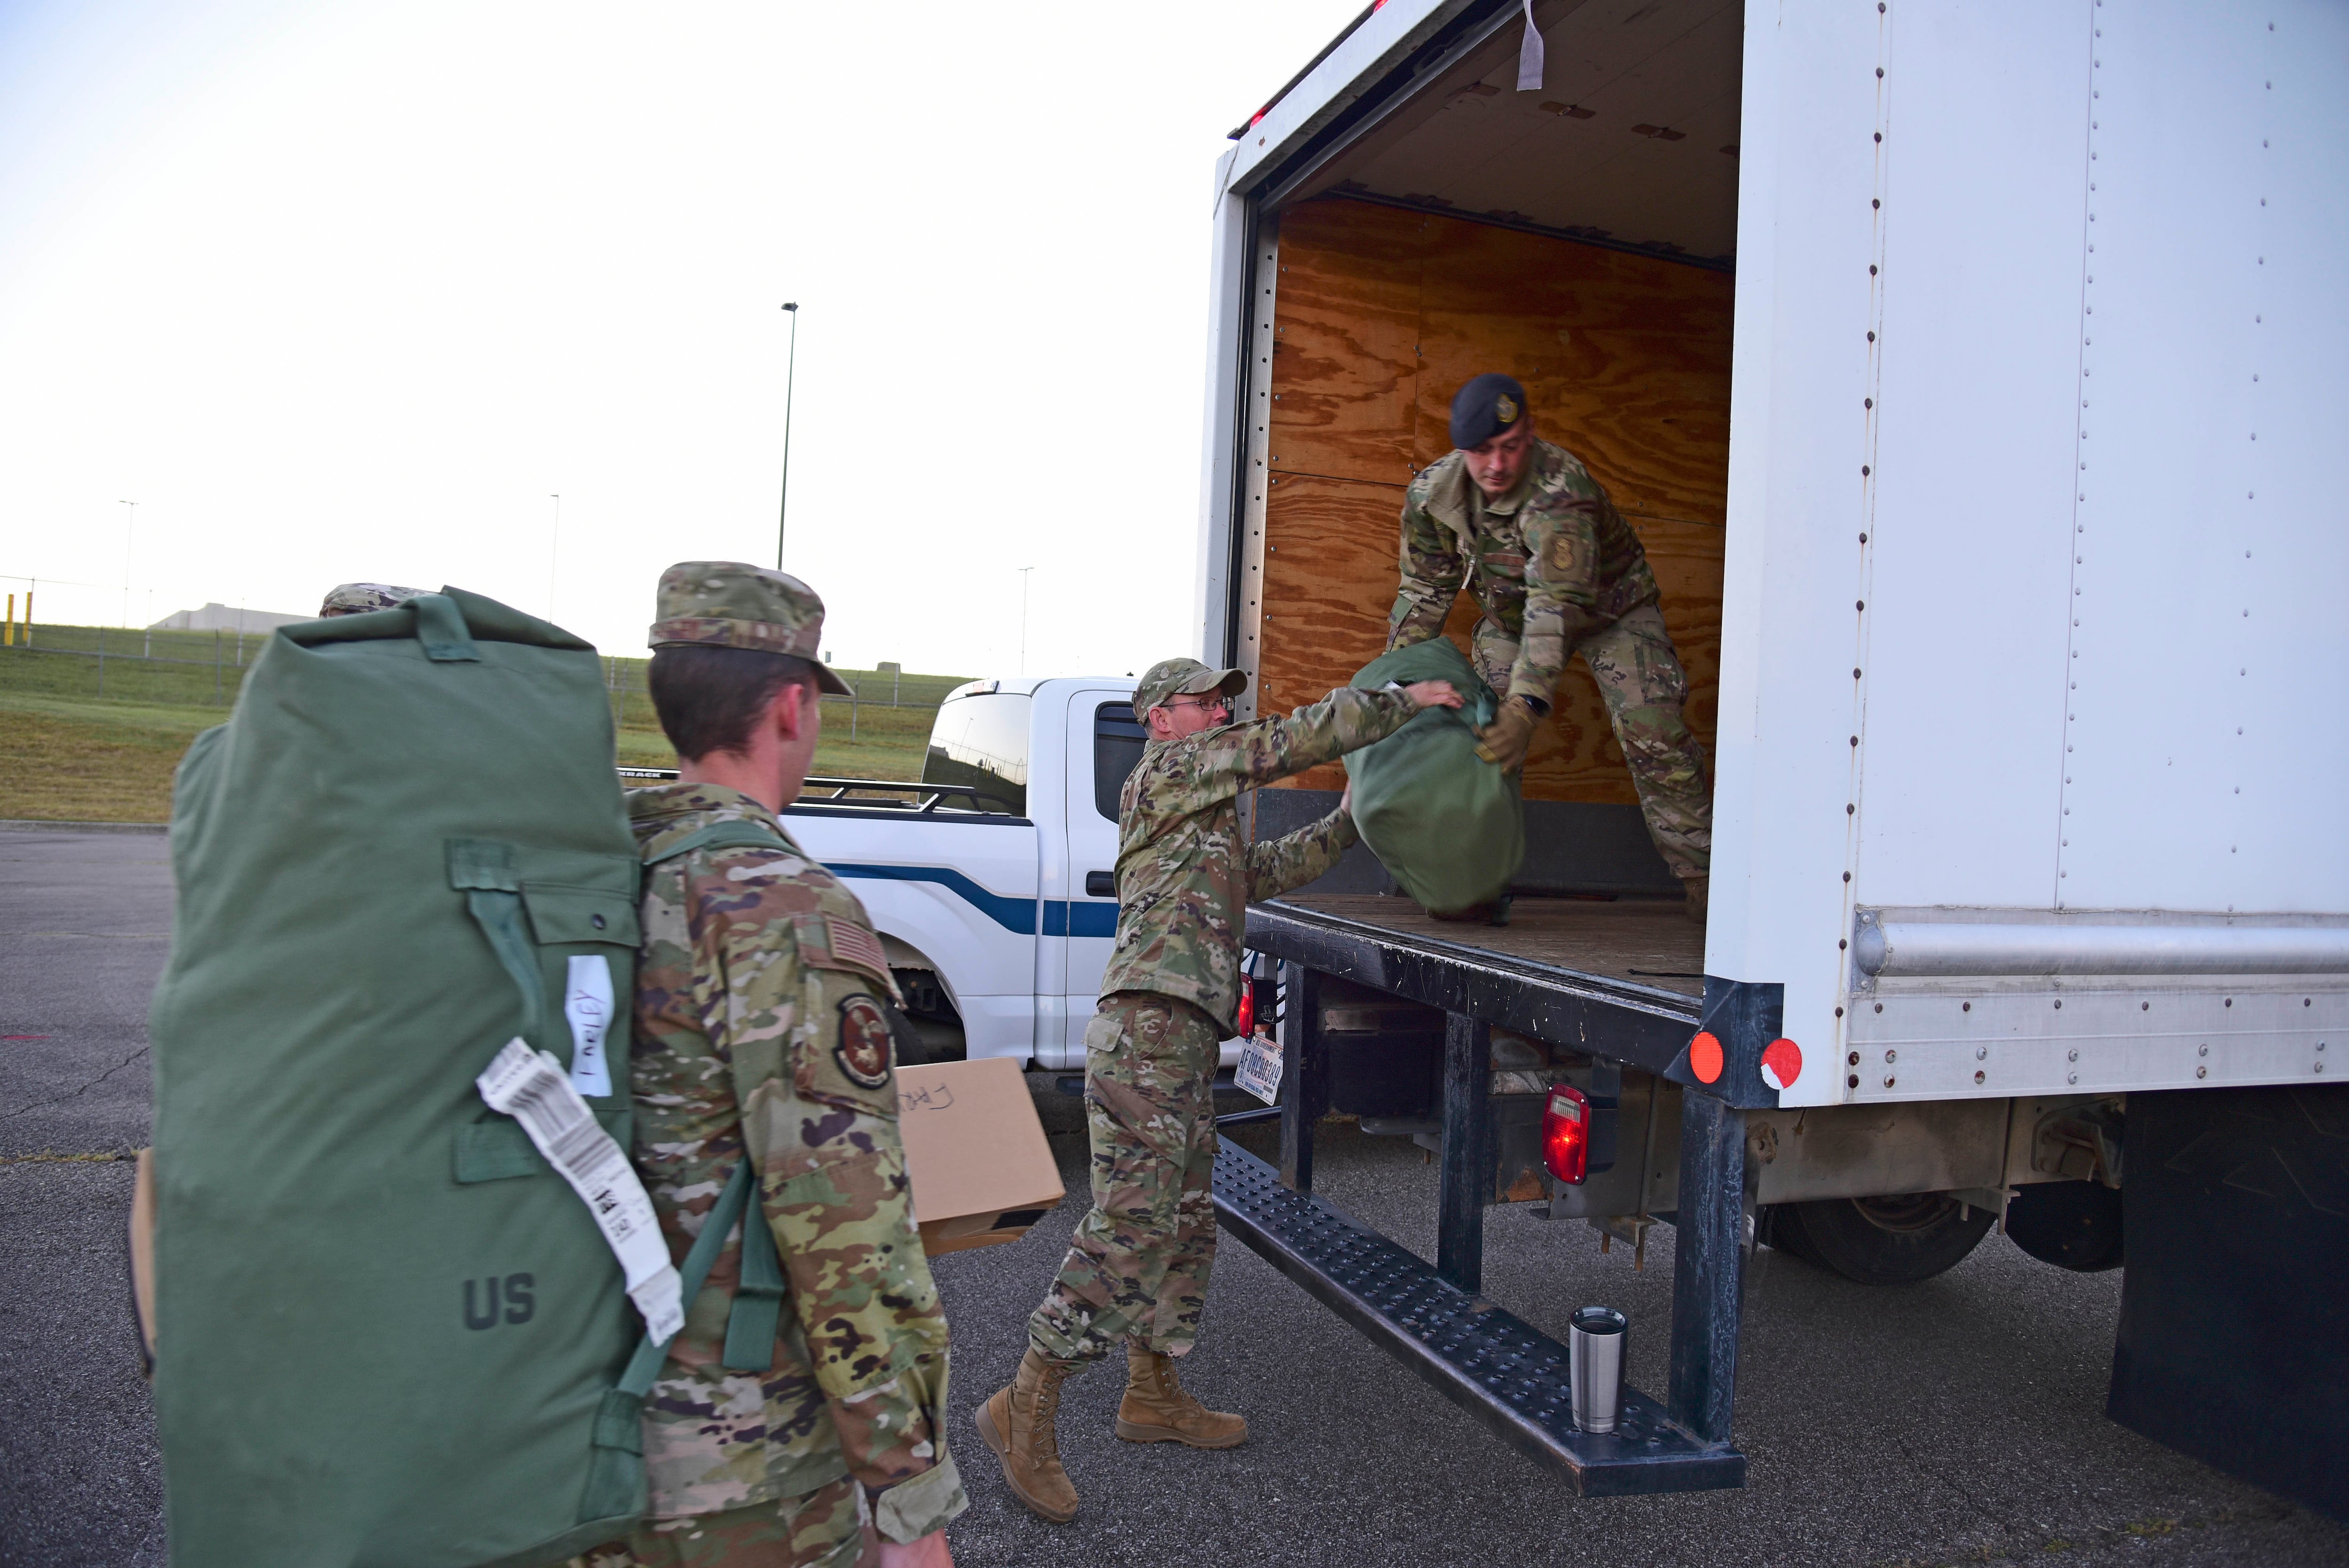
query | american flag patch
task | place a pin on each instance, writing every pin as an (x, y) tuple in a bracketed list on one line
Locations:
[(852, 944)]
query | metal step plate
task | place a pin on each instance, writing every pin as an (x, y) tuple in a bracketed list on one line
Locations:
[(1489, 1362)]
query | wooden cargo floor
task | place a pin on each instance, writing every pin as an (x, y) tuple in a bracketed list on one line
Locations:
[(1638, 942)]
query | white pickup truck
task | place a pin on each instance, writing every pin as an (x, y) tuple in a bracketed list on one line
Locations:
[(992, 883)]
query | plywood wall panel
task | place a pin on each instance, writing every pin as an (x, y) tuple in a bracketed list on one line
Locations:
[(1381, 313), (1345, 342), (1624, 359), (1329, 579)]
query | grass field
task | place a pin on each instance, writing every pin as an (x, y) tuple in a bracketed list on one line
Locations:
[(96, 740)]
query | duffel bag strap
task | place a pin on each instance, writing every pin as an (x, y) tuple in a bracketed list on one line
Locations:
[(616, 1471), (440, 628), (757, 1310), (737, 833), (483, 871)]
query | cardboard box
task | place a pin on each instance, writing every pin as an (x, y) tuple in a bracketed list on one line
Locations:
[(981, 1171)]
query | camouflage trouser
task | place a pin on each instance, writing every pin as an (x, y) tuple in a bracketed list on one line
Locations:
[(1137, 1267), (823, 1529), (1639, 675)]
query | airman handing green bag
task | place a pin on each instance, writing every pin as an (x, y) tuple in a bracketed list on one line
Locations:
[(1448, 825), (387, 1332)]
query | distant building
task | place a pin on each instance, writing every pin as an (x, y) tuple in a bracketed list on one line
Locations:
[(226, 618)]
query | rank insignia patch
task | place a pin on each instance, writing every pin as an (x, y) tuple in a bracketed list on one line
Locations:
[(1561, 553), (864, 1048)]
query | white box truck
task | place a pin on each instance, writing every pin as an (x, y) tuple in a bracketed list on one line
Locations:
[(1977, 377)]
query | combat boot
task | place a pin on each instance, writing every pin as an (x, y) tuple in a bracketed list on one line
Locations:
[(1017, 1422), (1155, 1408), (1698, 888)]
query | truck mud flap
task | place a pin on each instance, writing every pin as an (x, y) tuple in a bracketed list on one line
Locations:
[(1487, 1361), (2234, 1332)]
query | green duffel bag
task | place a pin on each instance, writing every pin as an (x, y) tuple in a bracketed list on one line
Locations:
[(1449, 826), (385, 1327)]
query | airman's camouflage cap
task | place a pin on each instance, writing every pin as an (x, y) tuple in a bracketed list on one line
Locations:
[(1486, 406), (1183, 677), (358, 598), (734, 604)]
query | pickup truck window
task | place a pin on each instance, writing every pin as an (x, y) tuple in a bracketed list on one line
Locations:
[(980, 742), (1117, 746)]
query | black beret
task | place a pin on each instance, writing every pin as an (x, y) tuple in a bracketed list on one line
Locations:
[(1484, 408)]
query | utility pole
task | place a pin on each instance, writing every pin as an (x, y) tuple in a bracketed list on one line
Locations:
[(1023, 618), (128, 532), (791, 374), (553, 552)]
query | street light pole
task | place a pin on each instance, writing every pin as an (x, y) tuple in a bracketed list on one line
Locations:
[(791, 374), (128, 532)]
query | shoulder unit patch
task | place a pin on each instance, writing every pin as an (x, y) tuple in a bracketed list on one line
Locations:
[(863, 1050)]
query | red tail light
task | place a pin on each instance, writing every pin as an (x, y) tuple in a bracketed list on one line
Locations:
[(1565, 1134), (1247, 1007)]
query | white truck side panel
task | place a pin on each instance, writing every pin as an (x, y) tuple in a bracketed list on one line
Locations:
[(2208, 735), (1227, 309), (1963, 674), (1797, 505)]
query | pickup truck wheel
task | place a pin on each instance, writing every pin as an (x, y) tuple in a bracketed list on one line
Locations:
[(928, 1029), (1878, 1240), (2075, 1225)]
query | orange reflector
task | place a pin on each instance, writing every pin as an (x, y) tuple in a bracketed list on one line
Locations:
[(1566, 1133), (1704, 1057)]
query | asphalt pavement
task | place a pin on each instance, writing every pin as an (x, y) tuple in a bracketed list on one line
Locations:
[(1956, 1421)]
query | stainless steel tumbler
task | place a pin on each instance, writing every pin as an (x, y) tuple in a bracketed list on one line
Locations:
[(1596, 1338)]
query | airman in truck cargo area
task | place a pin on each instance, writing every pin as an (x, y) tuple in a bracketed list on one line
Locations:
[(1138, 1264), (760, 1033), (1522, 525)]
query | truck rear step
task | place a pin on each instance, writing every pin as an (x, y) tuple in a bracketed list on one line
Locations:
[(1485, 1360)]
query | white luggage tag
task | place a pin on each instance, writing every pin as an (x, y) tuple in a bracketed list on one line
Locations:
[(532, 1087)]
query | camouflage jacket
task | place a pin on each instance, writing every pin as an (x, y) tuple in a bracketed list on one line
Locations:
[(1551, 561), (1184, 873), (759, 1031)]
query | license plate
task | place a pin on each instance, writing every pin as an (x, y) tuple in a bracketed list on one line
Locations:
[(1259, 1069)]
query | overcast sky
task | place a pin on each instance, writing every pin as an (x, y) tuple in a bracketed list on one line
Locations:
[(340, 291)]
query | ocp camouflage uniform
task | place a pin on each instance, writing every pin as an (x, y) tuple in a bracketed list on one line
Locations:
[(1138, 1264), (1557, 570), (358, 598), (760, 1031)]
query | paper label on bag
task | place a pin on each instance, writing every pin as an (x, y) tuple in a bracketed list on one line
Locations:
[(532, 1087), (1259, 1069), (587, 1005)]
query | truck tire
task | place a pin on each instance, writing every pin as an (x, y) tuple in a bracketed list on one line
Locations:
[(2075, 1225), (928, 1029), (1877, 1240)]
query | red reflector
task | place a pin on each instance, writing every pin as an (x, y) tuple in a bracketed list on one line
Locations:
[(1704, 1057), (1565, 1134), (1247, 1008)]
